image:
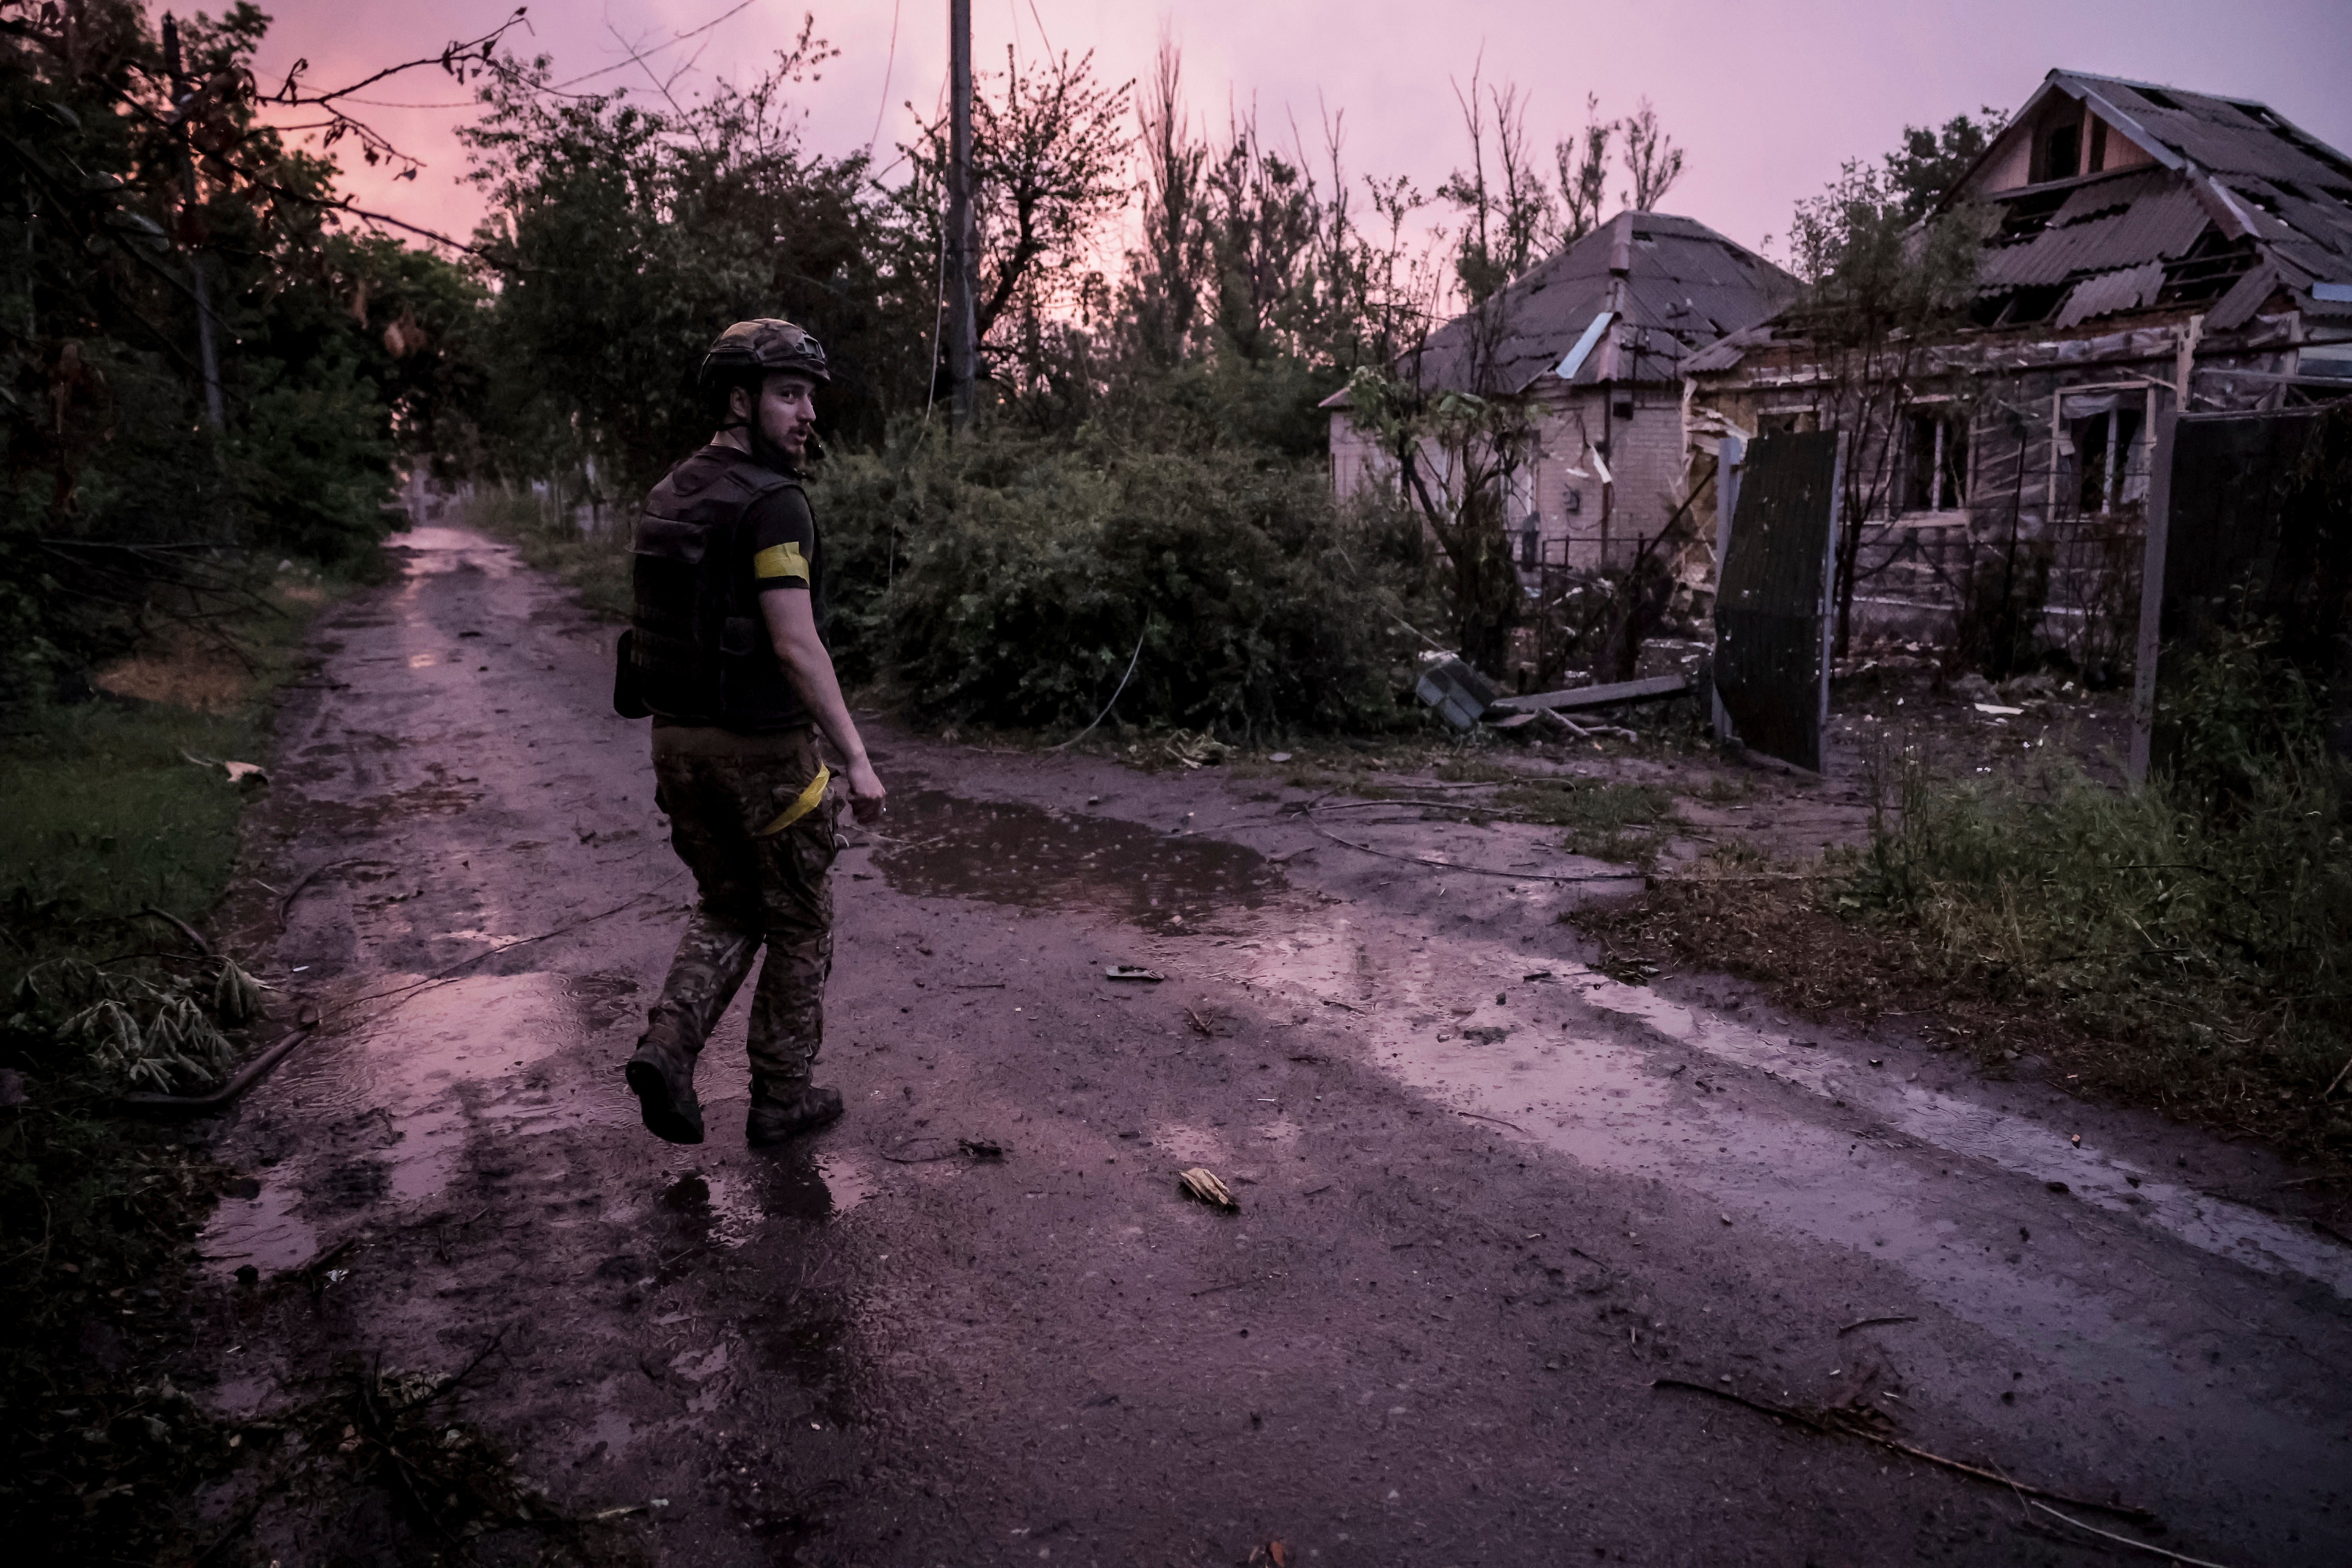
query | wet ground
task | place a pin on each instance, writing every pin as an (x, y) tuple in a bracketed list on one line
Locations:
[(1487, 1195)]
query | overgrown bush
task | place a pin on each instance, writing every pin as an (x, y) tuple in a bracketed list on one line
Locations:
[(1012, 581)]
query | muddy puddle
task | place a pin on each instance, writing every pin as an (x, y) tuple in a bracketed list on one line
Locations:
[(388, 1104), (941, 845)]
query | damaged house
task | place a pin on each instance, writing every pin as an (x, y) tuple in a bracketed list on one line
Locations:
[(1593, 343), (2142, 248)]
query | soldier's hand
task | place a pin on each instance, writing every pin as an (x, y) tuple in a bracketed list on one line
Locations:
[(866, 792)]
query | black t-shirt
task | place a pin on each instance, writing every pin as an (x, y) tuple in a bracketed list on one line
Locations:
[(785, 553)]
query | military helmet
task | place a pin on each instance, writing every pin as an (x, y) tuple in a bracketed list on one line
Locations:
[(749, 350)]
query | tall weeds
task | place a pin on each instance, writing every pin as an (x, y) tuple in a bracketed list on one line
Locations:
[(2202, 926)]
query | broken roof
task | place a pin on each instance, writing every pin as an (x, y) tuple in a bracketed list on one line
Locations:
[(2234, 205), (1669, 285)]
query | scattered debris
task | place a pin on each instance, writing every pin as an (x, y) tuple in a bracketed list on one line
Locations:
[(1277, 756), (237, 772), (1199, 1025), (1459, 694), (1132, 972), (1871, 1323), (1196, 751), (1997, 710), (1200, 1182), (1273, 1551), (1649, 689), (976, 1149)]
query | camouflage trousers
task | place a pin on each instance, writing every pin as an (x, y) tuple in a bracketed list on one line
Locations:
[(757, 889)]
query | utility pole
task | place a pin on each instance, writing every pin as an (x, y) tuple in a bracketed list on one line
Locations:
[(207, 355), (964, 349)]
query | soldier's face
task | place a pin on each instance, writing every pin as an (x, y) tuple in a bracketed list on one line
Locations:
[(787, 412)]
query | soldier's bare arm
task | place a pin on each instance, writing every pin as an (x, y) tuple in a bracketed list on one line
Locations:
[(791, 623)]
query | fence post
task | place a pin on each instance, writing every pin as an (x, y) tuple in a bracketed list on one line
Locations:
[(2151, 595), (1729, 453)]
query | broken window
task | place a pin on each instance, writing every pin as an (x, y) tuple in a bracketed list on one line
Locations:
[(1934, 462), (2017, 306), (2106, 473), (2061, 153), (2027, 217), (1530, 549)]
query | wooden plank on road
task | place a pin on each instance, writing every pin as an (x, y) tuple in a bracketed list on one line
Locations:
[(1650, 688)]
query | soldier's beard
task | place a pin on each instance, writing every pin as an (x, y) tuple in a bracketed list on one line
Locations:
[(773, 454)]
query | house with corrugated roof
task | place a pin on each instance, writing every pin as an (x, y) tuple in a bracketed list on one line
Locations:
[(1593, 341), (2143, 247)]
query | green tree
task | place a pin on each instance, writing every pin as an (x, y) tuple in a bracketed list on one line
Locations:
[(624, 237)]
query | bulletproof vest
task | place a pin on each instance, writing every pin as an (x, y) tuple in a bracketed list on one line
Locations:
[(699, 650)]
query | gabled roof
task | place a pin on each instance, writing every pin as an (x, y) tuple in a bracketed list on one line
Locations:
[(1673, 284), (2233, 204)]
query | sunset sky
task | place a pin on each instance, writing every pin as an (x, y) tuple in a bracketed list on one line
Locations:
[(1766, 98)]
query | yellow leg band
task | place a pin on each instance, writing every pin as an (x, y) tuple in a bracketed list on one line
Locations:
[(801, 806)]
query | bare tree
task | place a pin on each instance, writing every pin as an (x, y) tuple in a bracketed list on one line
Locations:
[(1509, 216), (1584, 174), (1651, 157)]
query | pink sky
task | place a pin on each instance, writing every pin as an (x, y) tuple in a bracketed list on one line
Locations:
[(1767, 99)]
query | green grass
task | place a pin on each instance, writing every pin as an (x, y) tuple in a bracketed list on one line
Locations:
[(101, 814), (1622, 823)]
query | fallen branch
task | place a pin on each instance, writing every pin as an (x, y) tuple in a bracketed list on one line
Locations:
[(1584, 731), (1871, 1322), (1497, 1121), (2168, 1556), (1825, 1427), (184, 928), (1114, 696), (286, 904)]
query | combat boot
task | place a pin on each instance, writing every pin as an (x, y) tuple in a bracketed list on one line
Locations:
[(800, 1110), (663, 1081)]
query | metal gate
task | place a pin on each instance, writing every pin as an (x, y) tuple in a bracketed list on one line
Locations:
[(2244, 524), (1772, 601)]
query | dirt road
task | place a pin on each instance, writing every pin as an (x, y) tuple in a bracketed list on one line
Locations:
[(1487, 1195)]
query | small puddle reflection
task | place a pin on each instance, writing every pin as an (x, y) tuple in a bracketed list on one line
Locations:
[(729, 1208), (944, 846)]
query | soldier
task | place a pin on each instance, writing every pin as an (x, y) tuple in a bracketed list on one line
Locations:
[(723, 651)]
